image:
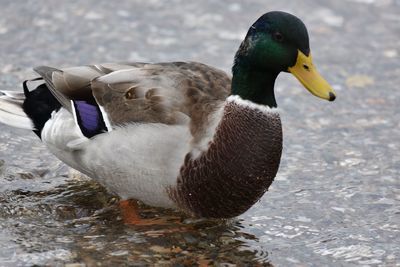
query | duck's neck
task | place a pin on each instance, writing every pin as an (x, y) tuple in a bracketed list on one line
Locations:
[(253, 84)]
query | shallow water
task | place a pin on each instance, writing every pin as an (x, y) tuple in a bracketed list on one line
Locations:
[(335, 201)]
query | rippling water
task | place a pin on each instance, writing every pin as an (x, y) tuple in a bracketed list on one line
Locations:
[(56, 219), (335, 201)]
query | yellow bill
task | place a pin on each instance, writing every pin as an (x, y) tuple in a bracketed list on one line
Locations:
[(305, 71)]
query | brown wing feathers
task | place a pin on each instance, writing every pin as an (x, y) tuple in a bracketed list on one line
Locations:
[(170, 93)]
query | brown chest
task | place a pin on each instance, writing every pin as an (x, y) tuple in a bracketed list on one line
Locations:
[(240, 164)]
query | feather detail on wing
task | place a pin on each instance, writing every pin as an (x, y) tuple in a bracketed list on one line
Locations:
[(89, 118), (117, 94)]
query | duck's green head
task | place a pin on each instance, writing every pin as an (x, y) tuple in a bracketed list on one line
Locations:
[(276, 42)]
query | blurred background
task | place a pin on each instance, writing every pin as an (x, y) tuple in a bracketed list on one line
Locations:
[(335, 201)]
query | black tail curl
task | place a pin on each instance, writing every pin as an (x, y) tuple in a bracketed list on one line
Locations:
[(39, 104)]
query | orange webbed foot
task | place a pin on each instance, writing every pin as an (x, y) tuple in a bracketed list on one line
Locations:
[(130, 215)]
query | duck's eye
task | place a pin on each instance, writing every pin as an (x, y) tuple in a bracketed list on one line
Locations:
[(278, 36)]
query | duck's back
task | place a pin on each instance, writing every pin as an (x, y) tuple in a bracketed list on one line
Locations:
[(170, 93)]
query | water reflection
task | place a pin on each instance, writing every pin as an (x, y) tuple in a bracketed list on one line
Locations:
[(79, 222)]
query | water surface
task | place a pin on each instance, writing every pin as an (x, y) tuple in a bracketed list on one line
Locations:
[(335, 201)]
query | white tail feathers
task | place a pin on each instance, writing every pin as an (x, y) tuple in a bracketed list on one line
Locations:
[(11, 112)]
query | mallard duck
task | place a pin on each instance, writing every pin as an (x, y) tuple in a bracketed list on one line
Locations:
[(180, 135)]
